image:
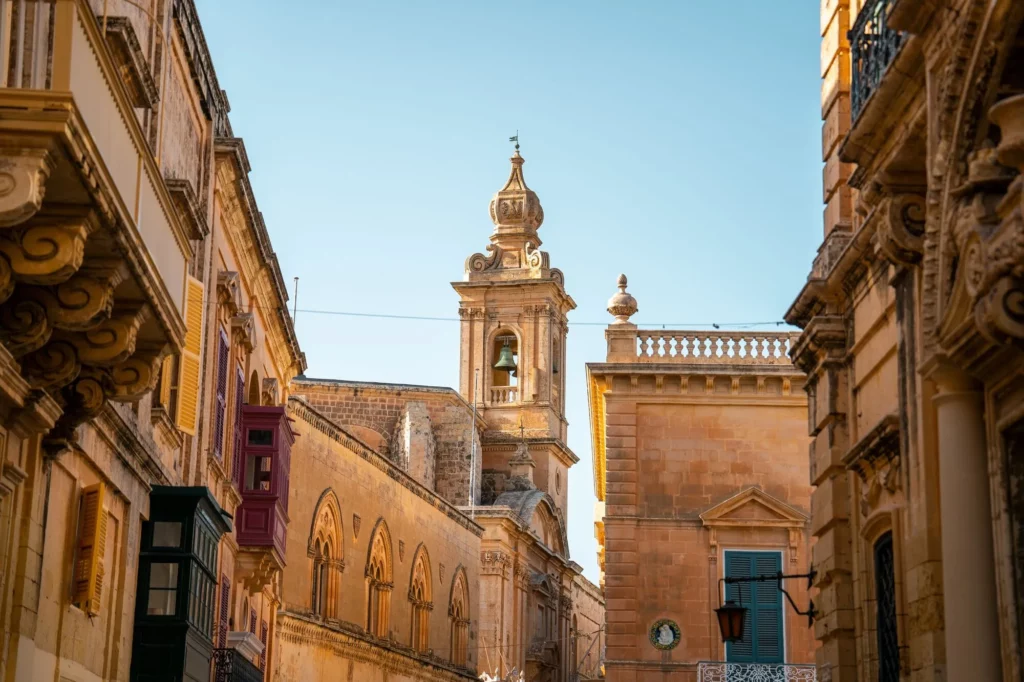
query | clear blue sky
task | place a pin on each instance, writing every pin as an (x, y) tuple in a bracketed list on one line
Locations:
[(678, 142)]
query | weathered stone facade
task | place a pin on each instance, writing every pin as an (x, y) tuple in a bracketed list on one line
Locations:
[(482, 486), (911, 343), (699, 450), (348, 495), (120, 165)]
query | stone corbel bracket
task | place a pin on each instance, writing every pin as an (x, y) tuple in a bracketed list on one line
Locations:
[(900, 221)]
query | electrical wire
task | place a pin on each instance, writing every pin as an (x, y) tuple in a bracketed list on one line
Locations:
[(428, 318)]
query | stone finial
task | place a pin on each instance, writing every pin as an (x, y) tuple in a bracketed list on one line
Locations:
[(622, 305), (516, 210)]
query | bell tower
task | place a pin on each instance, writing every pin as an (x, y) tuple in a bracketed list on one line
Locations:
[(513, 307)]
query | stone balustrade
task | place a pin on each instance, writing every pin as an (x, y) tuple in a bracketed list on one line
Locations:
[(715, 347), (504, 395)]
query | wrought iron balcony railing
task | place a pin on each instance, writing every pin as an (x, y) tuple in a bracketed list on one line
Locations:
[(229, 665), (873, 46), (711, 671)]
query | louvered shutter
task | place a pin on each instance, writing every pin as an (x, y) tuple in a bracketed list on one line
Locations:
[(237, 460), (264, 629), (762, 628), (188, 369), (768, 646), (220, 406), (92, 543), (741, 565), (225, 607)]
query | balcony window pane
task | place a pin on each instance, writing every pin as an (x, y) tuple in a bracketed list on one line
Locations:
[(263, 437), (163, 589), (167, 534), (257, 473)]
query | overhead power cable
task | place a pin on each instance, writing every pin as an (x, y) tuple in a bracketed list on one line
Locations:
[(429, 318)]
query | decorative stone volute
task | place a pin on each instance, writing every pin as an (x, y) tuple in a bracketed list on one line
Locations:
[(622, 305), (516, 211), (1008, 114)]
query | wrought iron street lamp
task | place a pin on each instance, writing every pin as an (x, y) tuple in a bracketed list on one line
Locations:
[(731, 616)]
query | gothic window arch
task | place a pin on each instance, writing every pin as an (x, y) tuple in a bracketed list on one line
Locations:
[(458, 615), (326, 551), (379, 581), (421, 598)]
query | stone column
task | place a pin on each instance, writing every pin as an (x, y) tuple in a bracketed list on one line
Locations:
[(968, 567)]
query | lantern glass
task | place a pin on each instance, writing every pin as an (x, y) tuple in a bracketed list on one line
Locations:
[(730, 621)]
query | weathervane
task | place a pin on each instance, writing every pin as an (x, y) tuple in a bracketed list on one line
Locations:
[(515, 138)]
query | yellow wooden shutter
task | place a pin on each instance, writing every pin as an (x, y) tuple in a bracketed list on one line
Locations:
[(188, 371), (166, 379), (92, 543)]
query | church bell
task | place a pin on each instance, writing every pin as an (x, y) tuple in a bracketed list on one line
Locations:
[(505, 360)]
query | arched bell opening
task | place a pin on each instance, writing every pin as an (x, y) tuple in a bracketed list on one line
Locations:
[(504, 367)]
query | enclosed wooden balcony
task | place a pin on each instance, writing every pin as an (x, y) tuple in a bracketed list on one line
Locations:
[(93, 256), (261, 472)]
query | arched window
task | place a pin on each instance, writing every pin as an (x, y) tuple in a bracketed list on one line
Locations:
[(885, 602), (325, 551), (379, 582), (458, 614), (420, 595)]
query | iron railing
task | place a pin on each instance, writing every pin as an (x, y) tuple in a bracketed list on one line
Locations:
[(714, 671), (229, 665), (873, 46)]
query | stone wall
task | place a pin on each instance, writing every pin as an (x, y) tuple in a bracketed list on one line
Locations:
[(370, 490), (588, 625), (377, 414)]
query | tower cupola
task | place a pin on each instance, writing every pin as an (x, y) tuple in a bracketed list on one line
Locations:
[(516, 211)]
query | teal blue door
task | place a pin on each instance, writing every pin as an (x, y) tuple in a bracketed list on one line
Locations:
[(762, 628)]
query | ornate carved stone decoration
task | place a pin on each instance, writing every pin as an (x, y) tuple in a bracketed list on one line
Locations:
[(494, 562), (229, 294), (24, 326), (356, 522), (622, 305), (271, 391), (440, 572), (401, 550), (243, 330), (900, 230), (113, 340), (23, 176), (52, 366), (876, 461), (49, 249), (479, 262)]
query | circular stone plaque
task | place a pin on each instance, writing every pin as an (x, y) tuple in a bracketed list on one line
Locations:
[(664, 634)]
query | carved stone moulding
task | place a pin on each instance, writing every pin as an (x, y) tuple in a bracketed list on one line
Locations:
[(243, 330), (23, 175), (900, 223), (229, 291), (876, 461), (48, 249)]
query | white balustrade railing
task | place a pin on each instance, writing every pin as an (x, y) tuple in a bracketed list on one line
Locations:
[(501, 395), (725, 348), (24, 43), (710, 671)]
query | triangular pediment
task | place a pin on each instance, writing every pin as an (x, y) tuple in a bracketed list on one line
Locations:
[(754, 507)]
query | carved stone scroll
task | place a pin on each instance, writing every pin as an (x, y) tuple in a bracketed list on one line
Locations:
[(901, 228), (48, 251), (23, 176)]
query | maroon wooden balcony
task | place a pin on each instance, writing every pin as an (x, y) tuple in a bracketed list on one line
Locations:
[(261, 472)]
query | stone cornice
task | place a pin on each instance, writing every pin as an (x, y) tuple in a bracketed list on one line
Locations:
[(250, 242), (300, 409), (350, 641)]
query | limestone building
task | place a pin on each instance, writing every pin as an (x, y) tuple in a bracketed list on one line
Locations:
[(144, 323), (912, 341), (428, 524), (700, 470)]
